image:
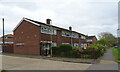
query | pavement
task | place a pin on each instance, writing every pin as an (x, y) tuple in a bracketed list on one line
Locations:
[(107, 62), (72, 60), (0, 61), (25, 63)]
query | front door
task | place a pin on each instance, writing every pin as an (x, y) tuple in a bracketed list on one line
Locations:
[(45, 48)]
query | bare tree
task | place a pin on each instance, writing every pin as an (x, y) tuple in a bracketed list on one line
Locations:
[(109, 37)]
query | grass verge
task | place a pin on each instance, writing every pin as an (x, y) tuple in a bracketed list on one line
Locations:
[(116, 53)]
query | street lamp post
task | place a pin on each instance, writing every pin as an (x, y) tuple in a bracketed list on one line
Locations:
[(3, 34), (118, 35), (3, 31)]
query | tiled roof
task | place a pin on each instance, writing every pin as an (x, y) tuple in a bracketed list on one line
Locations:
[(52, 26), (90, 37)]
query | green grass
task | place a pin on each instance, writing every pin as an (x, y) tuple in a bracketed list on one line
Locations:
[(3, 71), (116, 53)]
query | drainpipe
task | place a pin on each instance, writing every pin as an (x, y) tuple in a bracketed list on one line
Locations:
[(51, 41), (71, 38)]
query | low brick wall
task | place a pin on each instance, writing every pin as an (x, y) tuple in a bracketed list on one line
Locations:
[(7, 48)]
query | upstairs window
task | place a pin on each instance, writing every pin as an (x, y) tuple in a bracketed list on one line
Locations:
[(65, 33), (83, 37), (75, 35), (89, 40), (48, 30), (69, 34)]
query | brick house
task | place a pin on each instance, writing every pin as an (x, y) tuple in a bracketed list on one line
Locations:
[(8, 43), (8, 39), (91, 40), (33, 37)]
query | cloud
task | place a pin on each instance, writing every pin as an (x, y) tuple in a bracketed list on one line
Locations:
[(87, 17)]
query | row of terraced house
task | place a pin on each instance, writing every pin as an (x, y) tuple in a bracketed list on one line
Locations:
[(34, 37)]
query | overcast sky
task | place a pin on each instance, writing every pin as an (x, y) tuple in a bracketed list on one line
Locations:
[(89, 17)]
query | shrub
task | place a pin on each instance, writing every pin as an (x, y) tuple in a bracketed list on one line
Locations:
[(3, 70), (70, 54), (65, 48), (93, 47), (76, 54), (75, 48), (97, 50), (55, 51)]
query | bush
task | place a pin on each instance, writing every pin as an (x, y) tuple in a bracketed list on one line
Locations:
[(98, 50), (75, 48), (55, 50), (93, 47), (3, 70), (65, 48), (76, 54), (70, 54)]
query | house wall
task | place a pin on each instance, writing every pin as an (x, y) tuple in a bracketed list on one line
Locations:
[(47, 37), (75, 40), (59, 37), (31, 37), (66, 39), (94, 40), (28, 34), (7, 48)]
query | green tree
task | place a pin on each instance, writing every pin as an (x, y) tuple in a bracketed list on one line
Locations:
[(102, 41), (110, 38)]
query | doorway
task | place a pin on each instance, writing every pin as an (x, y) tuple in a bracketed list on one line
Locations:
[(45, 49)]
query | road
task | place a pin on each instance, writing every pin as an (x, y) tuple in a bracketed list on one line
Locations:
[(23, 63)]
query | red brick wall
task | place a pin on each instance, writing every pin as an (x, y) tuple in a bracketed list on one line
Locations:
[(75, 40), (66, 39), (59, 37), (7, 48), (47, 37), (29, 34)]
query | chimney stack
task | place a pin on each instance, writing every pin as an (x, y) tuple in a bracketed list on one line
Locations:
[(48, 21), (70, 28)]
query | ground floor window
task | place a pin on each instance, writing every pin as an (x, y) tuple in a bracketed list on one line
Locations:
[(75, 44), (65, 43), (54, 44), (83, 46)]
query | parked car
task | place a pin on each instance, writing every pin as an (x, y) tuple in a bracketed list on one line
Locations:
[(115, 46)]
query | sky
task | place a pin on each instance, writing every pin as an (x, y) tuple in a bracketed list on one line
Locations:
[(89, 17)]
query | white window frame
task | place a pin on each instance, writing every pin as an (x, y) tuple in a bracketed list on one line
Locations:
[(48, 30)]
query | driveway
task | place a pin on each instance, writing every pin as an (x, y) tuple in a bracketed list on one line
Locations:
[(23, 63)]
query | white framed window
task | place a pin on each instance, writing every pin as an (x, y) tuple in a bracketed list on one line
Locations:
[(75, 44), (70, 34), (82, 45), (48, 30), (54, 44), (65, 43), (83, 37), (74, 35), (89, 40), (65, 33), (20, 44)]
